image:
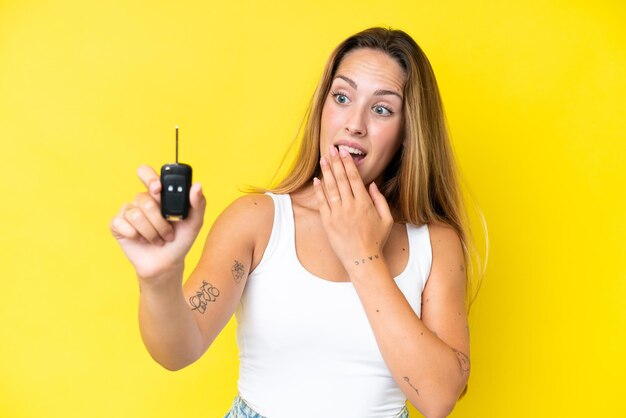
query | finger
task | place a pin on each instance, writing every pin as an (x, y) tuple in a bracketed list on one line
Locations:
[(120, 228), (151, 180), (332, 193), (321, 197), (198, 205), (152, 210), (343, 185), (138, 220), (352, 173), (380, 203), (196, 197)]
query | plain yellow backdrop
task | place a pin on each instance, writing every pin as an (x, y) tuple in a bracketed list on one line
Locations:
[(534, 93)]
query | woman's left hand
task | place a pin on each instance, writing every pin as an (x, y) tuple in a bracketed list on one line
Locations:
[(357, 223)]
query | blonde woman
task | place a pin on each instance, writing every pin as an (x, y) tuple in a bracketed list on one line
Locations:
[(349, 278)]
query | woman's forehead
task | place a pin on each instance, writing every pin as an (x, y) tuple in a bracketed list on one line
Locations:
[(371, 66)]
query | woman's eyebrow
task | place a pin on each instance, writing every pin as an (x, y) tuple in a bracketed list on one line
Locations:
[(376, 93), (386, 92), (347, 80)]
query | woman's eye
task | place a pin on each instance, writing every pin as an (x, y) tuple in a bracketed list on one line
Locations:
[(341, 98), (382, 110)]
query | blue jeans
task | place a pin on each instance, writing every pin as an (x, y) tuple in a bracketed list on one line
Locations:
[(241, 409)]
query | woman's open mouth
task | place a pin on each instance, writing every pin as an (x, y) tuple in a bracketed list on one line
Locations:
[(356, 154)]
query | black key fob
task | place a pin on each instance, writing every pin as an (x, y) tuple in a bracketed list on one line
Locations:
[(175, 185)]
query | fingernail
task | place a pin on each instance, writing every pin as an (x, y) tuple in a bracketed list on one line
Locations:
[(316, 181), (343, 152), (333, 151), (323, 161)]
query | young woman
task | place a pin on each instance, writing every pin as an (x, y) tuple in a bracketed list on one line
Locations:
[(348, 279)]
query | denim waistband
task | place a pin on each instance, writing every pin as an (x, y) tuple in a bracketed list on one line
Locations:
[(241, 409)]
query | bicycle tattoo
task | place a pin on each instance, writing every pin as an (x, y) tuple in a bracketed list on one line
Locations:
[(207, 293)]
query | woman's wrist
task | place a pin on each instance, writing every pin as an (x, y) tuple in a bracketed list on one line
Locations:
[(371, 263), (163, 281)]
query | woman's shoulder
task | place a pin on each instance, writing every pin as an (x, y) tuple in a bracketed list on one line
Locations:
[(445, 242), (249, 220), (440, 227), (250, 209)]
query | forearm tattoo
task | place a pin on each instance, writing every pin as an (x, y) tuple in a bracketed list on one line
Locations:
[(238, 271), (207, 293), (364, 260), (464, 363), (406, 379)]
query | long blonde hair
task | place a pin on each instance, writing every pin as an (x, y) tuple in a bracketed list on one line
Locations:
[(421, 182)]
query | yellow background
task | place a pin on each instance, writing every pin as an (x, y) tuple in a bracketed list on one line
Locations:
[(534, 92)]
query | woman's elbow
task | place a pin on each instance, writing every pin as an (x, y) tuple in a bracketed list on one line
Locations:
[(172, 367), (174, 364), (444, 404), (169, 365), (439, 410)]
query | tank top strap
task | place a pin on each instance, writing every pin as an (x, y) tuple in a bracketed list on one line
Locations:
[(282, 235), (421, 255)]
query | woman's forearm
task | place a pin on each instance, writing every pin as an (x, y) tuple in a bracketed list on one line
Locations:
[(167, 325), (425, 367)]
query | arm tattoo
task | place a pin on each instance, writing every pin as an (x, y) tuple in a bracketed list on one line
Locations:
[(464, 363), (207, 293), (406, 379), (238, 271), (363, 260)]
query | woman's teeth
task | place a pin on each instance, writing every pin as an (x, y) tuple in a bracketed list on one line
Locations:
[(351, 150)]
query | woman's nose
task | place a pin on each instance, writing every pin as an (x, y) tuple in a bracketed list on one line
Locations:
[(355, 125)]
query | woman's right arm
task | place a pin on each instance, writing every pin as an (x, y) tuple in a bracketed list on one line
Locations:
[(178, 323)]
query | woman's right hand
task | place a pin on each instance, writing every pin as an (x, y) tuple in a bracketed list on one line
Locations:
[(154, 246)]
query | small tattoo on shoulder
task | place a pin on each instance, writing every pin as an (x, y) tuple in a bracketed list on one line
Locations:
[(207, 293), (238, 271), (406, 379), (464, 363), (364, 260)]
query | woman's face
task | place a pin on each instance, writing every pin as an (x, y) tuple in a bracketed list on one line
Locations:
[(363, 111)]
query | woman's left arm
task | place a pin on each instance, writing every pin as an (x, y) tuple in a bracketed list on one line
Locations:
[(427, 356)]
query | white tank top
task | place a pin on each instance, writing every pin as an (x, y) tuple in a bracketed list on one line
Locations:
[(306, 348)]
